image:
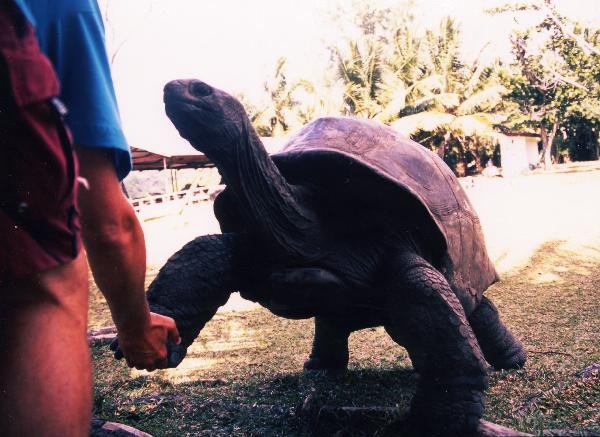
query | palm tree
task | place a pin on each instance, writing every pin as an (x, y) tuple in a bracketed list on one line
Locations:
[(382, 75), (360, 68), (457, 107), (405, 81), (286, 107)]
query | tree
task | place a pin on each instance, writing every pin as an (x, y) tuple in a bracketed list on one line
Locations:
[(360, 68), (581, 124), (419, 84), (581, 138), (459, 107), (555, 73), (378, 63), (286, 106)]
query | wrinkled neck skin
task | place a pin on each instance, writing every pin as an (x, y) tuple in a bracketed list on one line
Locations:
[(275, 207)]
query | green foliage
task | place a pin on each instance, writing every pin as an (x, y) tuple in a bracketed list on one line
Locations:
[(419, 83), (555, 79), (361, 69), (443, 56), (580, 138), (456, 116), (379, 64), (286, 106)]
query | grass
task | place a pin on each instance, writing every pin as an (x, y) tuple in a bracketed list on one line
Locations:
[(244, 377)]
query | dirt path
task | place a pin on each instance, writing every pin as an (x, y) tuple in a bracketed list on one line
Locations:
[(518, 215)]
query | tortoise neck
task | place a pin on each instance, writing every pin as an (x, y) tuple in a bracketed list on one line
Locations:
[(267, 199)]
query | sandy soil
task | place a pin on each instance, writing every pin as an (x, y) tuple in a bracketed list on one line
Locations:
[(517, 214)]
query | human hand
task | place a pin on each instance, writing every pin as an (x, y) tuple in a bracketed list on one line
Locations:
[(151, 347)]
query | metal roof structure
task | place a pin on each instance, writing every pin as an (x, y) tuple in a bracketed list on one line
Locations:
[(146, 160)]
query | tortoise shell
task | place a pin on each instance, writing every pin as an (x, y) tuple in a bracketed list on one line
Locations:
[(336, 150), (360, 161)]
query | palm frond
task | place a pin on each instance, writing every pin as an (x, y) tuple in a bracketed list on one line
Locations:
[(485, 99), (474, 80), (425, 121), (442, 101), (469, 125)]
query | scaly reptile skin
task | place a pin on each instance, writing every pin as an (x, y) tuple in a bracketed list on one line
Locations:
[(426, 317), (193, 284)]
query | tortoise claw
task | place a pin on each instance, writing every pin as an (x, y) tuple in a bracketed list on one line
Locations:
[(175, 352)]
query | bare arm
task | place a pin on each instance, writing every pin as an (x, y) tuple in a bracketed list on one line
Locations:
[(116, 251)]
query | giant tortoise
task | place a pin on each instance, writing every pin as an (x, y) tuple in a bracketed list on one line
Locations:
[(352, 224)]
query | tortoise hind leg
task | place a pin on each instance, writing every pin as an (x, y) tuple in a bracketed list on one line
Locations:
[(500, 347), (291, 291), (330, 346)]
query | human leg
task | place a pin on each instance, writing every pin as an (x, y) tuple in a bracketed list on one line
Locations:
[(45, 373), (45, 383)]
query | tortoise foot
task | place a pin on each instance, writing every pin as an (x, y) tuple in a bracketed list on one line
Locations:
[(328, 365), (512, 358), (441, 411), (500, 347)]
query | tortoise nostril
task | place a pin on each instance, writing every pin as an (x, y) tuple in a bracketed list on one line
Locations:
[(171, 87), (200, 89)]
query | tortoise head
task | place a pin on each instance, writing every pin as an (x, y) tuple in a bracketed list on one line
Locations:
[(210, 119), (216, 124)]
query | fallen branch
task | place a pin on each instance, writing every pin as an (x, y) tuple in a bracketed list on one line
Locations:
[(101, 336), (102, 428)]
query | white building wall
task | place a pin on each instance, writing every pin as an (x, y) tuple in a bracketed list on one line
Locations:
[(517, 153), (531, 145)]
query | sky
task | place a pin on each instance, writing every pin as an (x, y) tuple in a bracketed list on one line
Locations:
[(233, 45)]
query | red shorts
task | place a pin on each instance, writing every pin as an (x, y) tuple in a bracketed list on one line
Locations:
[(39, 221)]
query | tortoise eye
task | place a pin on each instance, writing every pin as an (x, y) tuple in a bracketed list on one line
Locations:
[(200, 89)]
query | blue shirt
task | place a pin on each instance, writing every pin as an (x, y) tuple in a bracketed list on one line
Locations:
[(71, 34)]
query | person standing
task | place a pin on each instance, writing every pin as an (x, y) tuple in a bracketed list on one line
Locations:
[(45, 373), (71, 33)]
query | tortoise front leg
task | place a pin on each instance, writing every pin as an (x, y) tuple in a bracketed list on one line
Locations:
[(194, 283), (426, 317)]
